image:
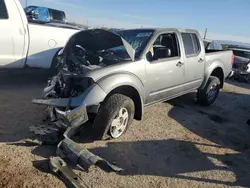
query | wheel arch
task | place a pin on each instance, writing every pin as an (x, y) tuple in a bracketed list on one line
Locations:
[(215, 69), (218, 72), (132, 93), (127, 85)]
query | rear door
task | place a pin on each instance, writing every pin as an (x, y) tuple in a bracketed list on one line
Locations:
[(194, 60)]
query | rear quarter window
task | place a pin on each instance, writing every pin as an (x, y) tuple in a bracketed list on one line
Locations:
[(3, 10)]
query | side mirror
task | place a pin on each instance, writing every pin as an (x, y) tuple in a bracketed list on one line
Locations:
[(162, 52), (149, 56)]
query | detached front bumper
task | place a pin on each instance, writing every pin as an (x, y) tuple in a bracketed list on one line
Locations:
[(68, 118)]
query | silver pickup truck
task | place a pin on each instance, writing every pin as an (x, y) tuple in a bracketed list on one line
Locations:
[(110, 77)]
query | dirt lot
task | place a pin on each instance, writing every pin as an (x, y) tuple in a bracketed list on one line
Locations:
[(178, 144)]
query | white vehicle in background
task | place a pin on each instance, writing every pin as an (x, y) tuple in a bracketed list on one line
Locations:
[(33, 43)]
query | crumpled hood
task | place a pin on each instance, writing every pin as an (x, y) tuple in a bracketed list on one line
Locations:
[(98, 39)]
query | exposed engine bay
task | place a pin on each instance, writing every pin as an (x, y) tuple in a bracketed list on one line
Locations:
[(86, 51), (66, 84), (92, 49)]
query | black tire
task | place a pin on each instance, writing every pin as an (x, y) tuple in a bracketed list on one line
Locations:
[(108, 111), (203, 97)]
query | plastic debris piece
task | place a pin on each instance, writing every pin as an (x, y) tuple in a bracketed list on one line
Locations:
[(59, 167)]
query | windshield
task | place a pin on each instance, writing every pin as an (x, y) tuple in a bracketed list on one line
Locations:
[(137, 38)]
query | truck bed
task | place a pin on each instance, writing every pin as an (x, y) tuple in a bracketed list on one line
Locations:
[(221, 56)]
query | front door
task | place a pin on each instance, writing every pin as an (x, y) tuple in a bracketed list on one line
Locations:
[(165, 71)]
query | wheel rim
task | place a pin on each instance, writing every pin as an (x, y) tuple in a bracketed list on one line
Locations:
[(119, 124), (212, 92)]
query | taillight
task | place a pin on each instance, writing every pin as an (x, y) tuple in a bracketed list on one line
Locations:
[(232, 60)]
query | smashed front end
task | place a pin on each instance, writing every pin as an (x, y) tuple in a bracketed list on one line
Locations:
[(72, 94), (70, 99)]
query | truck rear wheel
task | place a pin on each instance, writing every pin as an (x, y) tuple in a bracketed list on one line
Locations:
[(209, 93), (114, 117)]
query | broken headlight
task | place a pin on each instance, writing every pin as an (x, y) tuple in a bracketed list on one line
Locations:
[(72, 85)]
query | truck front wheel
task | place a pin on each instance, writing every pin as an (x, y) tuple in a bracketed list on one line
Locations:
[(209, 93), (114, 117)]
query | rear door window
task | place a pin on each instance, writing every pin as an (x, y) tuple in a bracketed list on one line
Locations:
[(3, 10), (188, 43), (191, 43), (197, 47)]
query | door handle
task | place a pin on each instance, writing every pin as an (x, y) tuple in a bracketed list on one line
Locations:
[(179, 64), (200, 60)]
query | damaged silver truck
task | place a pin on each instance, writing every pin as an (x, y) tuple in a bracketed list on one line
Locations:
[(111, 77)]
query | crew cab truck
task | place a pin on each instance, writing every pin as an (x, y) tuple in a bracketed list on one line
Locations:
[(112, 77), (28, 44)]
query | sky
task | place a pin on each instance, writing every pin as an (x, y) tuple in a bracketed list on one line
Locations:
[(224, 19)]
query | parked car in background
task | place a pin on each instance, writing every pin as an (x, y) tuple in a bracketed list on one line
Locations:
[(111, 77), (34, 43)]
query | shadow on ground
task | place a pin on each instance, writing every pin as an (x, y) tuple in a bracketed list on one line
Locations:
[(167, 158), (223, 124)]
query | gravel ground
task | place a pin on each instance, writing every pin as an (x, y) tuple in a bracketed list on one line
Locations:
[(178, 144)]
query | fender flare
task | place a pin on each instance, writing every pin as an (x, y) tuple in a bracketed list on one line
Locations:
[(208, 72), (114, 81)]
